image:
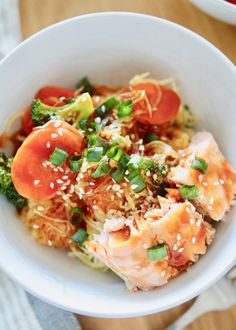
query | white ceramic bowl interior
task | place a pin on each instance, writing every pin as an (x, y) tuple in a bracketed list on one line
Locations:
[(110, 48), (220, 9)]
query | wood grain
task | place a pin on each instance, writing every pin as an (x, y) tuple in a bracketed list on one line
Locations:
[(37, 14)]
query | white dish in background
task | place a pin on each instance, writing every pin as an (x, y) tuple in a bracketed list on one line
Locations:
[(111, 48), (220, 9)]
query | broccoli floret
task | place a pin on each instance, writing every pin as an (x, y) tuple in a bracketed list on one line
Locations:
[(78, 108), (158, 173), (6, 186)]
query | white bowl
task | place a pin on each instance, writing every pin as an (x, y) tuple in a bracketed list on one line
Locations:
[(220, 9), (111, 48)]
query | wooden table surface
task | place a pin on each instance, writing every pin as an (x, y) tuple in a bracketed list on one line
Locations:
[(37, 14)]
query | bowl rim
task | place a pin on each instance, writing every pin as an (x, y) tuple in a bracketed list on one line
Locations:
[(230, 261)]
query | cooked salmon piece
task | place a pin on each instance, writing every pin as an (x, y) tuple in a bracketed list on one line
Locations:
[(124, 249), (216, 187)]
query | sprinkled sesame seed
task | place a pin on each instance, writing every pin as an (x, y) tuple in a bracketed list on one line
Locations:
[(49, 242), (91, 183), (175, 247), (59, 181), (154, 177), (194, 240), (65, 177), (35, 226), (95, 207), (60, 131), (36, 182), (48, 145), (126, 172), (141, 148), (221, 181), (59, 193), (118, 194), (108, 187), (134, 186), (178, 237), (140, 141), (57, 124), (212, 199), (51, 185), (216, 183), (148, 173), (192, 221), (55, 169), (40, 208), (112, 197), (81, 175), (163, 273), (205, 184), (116, 187), (54, 135), (97, 99), (98, 120), (199, 222), (181, 250), (103, 108)]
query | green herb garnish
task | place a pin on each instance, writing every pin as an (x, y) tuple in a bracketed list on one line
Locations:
[(94, 154), (125, 108), (75, 163), (199, 164), (101, 170), (151, 137), (188, 192), (157, 252), (107, 106), (118, 173), (76, 215), (80, 237), (58, 157)]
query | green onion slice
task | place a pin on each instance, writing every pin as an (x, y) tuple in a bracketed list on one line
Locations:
[(58, 157), (95, 140), (101, 170), (86, 84), (125, 108), (137, 161), (94, 154), (105, 107), (136, 181), (124, 160), (115, 153), (118, 173), (75, 163), (80, 237), (76, 215), (157, 252), (151, 137), (189, 192), (200, 164)]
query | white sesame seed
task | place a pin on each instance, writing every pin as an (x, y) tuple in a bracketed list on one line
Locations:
[(181, 250), (163, 273), (108, 187), (103, 108), (199, 222), (205, 184), (134, 186), (148, 173), (35, 226), (175, 247), (49, 242), (118, 194), (154, 177), (55, 169), (81, 175), (36, 182), (65, 177), (54, 135), (192, 221), (141, 148), (91, 183), (212, 199), (126, 172), (116, 187), (194, 240), (60, 131), (40, 208), (221, 181), (216, 183), (95, 207), (51, 185), (140, 141), (48, 145), (112, 197), (97, 99), (98, 120), (178, 237), (188, 210), (200, 177), (59, 193), (59, 181), (57, 124)]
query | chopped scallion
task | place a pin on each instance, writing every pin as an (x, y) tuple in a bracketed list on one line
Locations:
[(157, 252), (105, 107), (188, 192), (137, 161), (95, 140), (115, 153), (101, 170), (136, 181), (118, 173), (200, 164), (124, 160), (151, 137), (125, 108), (76, 215), (58, 157), (75, 163), (80, 237), (94, 154)]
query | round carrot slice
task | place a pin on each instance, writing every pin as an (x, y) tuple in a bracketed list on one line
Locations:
[(164, 102), (33, 176), (55, 91)]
